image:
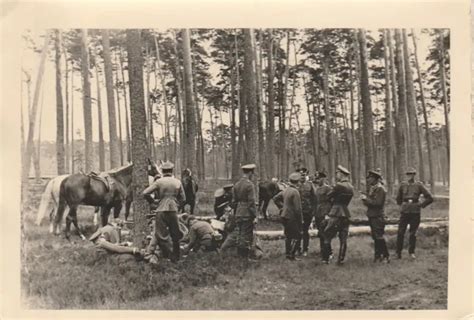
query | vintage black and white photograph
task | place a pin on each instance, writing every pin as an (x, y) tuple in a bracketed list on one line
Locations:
[(235, 168)]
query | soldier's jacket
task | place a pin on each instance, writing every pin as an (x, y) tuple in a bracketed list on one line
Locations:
[(244, 199), (289, 201), (323, 203), (199, 230), (169, 192), (340, 197), (375, 200), (308, 198), (409, 194)]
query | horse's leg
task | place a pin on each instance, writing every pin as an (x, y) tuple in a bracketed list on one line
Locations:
[(59, 217), (128, 204), (104, 215), (96, 216), (117, 209), (73, 217), (69, 220), (264, 209)]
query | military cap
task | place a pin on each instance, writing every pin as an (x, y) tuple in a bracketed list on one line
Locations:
[(219, 193), (303, 170), (375, 172), (228, 186), (321, 174), (249, 166), (167, 166), (295, 176), (411, 170), (343, 170)]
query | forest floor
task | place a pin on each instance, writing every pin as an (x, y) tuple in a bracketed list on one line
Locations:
[(61, 274)]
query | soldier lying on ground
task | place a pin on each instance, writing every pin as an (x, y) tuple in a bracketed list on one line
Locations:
[(113, 239)]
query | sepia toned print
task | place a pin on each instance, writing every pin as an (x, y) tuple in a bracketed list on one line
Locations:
[(212, 169)]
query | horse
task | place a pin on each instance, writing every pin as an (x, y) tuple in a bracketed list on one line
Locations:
[(190, 187), (50, 199), (154, 172), (81, 189), (266, 191)]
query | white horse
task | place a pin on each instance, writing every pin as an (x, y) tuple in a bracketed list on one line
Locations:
[(50, 199)]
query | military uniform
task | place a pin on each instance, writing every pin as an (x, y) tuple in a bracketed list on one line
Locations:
[(289, 201), (222, 197), (323, 206), (245, 211), (339, 215), (308, 206), (375, 203), (408, 198), (170, 194), (201, 237)]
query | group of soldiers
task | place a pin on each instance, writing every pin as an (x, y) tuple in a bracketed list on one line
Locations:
[(303, 203)]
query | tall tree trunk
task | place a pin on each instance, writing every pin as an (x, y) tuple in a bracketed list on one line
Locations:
[(394, 103), (328, 118), (388, 117), (190, 103), (127, 106), (179, 104), (165, 98), (429, 143), (37, 153), (271, 109), (366, 103), (442, 72), (66, 95), (411, 106), (241, 105), (86, 101), (360, 118), (99, 117), (109, 86), (139, 144), (355, 161), (311, 126), (119, 113), (282, 116), (261, 138), (72, 117), (401, 126), (250, 90), (233, 128), (149, 104), (59, 107)]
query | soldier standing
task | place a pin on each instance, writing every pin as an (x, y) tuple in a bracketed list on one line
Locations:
[(339, 215), (245, 207), (375, 202), (407, 197), (323, 206), (170, 195), (308, 205), (291, 214)]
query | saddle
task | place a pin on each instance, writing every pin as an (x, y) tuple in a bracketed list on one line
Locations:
[(103, 177)]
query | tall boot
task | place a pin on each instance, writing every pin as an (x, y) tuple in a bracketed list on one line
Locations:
[(342, 252), (288, 247), (412, 244), (176, 252), (377, 251), (384, 249)]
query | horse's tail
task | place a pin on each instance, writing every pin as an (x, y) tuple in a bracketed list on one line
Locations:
[(45, 201)]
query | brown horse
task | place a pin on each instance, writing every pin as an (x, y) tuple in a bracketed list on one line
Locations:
[(81, 189)]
